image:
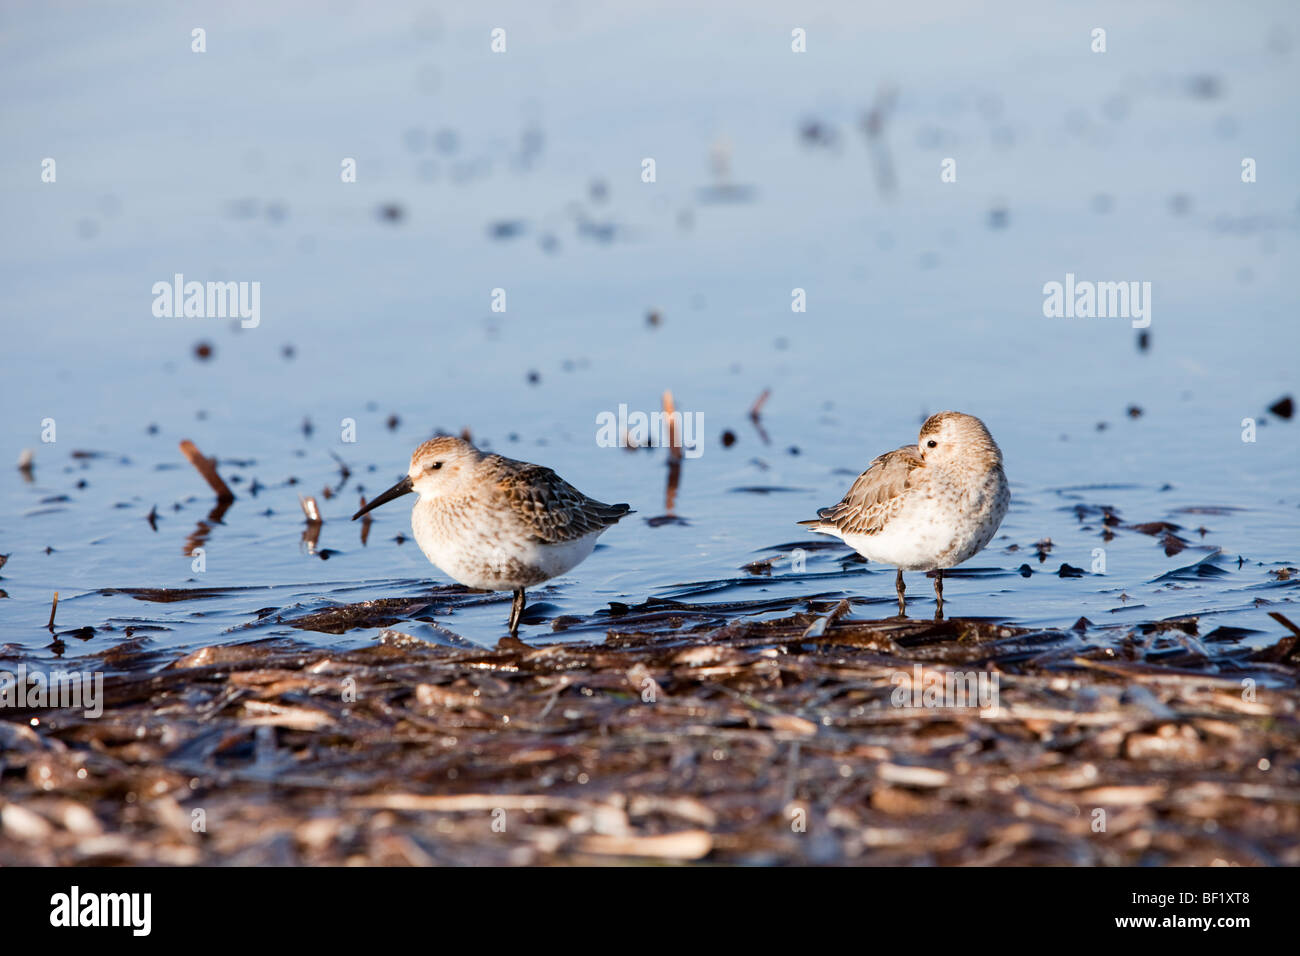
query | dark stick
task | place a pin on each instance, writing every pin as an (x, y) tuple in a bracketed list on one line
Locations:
[(207, 467)]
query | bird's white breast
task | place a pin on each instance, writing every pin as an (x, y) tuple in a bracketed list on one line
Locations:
[(494, 555), (938, 528)]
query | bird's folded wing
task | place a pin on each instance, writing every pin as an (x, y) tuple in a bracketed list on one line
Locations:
[(552, 510), (876, 496)]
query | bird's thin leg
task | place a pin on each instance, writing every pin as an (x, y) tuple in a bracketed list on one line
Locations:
[(938, 594), (516, 612), (902, 604)]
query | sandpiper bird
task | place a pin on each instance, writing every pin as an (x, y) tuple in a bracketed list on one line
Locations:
[(495, 523), (928, 506)]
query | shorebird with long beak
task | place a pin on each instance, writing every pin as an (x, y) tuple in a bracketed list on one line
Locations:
[(925, 507), (494, 523)]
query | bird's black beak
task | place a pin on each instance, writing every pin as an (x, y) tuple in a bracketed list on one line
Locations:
[(403, 487)]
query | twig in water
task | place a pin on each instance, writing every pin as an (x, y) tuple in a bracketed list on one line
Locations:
[(873, 125), (344, 472), (365, 523), (674, 454), (311, 535), (1285, 622), (1290, 625), (207, 467), (755, 414), (310, 509), (670, 416)]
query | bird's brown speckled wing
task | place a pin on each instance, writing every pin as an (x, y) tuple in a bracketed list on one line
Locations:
[(551, 509), (876, 495)]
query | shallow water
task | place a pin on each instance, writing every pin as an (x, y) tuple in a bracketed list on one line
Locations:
[(225, 165)]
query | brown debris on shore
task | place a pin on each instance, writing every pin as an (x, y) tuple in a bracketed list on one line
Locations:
[(780, 741)]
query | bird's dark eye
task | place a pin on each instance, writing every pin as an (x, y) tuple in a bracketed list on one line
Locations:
[(931, 443), (433, 467)]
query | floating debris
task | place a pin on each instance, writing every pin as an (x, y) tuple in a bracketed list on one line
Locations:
[(814, 132), (674, 440), (756, 414), (1204, 86), (874, 123), (506, 229), (207, 467)]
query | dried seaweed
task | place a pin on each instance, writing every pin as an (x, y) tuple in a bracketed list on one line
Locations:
[(688, 733)]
